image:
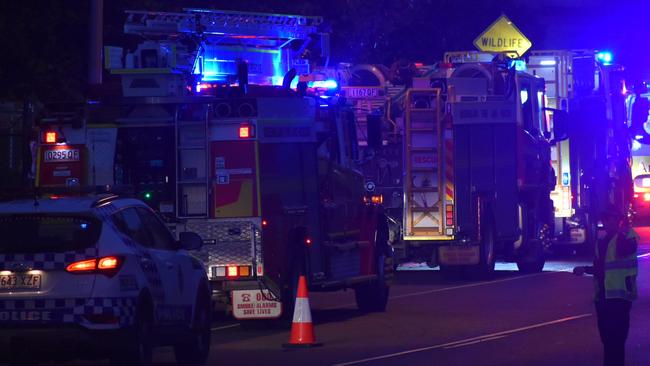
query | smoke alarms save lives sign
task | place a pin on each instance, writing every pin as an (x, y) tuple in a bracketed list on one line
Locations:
[(503, 36)]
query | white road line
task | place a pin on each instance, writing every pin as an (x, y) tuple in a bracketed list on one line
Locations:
[(225, 327), (466, 341), (475, 342), (465, 286), (443, 289)]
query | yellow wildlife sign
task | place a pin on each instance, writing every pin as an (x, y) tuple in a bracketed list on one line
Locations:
[(503, 36)]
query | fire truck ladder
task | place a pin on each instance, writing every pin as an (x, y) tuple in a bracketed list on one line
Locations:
[(423, 161), (222, 23), (192, 169)]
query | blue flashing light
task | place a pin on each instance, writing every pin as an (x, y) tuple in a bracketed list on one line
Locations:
[(605, 57), (84, 226), (325, 84), (636, 145), (519, 65), (638, 137)]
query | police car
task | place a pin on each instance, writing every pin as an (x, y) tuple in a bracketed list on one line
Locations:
[(102, 276)]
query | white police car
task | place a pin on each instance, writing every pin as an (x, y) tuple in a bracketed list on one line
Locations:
[(87, 277)]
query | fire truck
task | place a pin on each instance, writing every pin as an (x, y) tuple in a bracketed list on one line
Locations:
[(224, 128), (466, 144), (593, 165), (637, 105)]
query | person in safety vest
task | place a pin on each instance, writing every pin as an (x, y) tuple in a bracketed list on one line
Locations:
[(614, 270)]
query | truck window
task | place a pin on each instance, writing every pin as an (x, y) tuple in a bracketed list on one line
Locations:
[(540, 115), (526, 98)]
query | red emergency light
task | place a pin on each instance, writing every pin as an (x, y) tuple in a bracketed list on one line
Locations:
[(50, 137), (245, 131)]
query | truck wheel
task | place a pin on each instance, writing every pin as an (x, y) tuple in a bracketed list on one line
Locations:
[(485, 269), (373, 297), (196, 349)]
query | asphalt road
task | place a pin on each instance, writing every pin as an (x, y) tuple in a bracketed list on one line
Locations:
[(512, 319)]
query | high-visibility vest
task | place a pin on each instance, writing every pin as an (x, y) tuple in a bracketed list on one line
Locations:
[(620, 271)]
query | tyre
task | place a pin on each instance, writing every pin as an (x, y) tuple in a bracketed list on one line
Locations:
[(373, 296), (139, 352), (197, 349), (485, 268), (531, 256)]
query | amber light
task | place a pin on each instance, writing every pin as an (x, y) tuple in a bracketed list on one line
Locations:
[(377, 199), (50, 137), (646, 196), (244, 271)]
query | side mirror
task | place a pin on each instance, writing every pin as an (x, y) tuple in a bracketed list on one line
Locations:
[(560, 125), (190, 241)]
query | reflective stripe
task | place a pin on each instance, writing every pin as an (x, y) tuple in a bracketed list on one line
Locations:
[(301, 312), (621, 263), (619, 294)]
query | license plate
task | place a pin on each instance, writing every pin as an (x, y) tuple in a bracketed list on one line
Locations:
[(255, 304), (20, 282), (61, 155), (361, 92), (461, 255)]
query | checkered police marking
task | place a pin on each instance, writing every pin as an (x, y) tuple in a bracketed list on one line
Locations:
[(70, 311), (45, 261)]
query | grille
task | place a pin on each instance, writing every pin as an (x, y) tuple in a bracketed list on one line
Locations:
[(227, 241)]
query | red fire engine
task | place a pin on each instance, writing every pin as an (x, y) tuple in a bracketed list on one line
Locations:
[(213, 132)]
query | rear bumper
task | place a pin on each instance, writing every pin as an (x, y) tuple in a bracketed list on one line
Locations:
[(221, 290), (59, 343)]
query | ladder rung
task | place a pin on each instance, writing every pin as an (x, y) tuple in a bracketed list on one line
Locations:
[(193, 181), (196, 147), (422, 149), (423, 129), (424, 209), (422, 109), (422, 169), (422, 189), (191, 122)]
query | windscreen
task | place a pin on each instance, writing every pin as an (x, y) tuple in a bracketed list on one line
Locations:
[(47, 233)]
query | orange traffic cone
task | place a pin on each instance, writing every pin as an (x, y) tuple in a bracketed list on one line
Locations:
[(302, 329)]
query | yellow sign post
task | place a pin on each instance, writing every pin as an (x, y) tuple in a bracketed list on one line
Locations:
[(504, 37)]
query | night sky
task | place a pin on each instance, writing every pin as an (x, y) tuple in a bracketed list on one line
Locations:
[(44, 41)]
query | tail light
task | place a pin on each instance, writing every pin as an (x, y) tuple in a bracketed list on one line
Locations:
[(232, 271), (88, 265), (106, 265), (449, 215)]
